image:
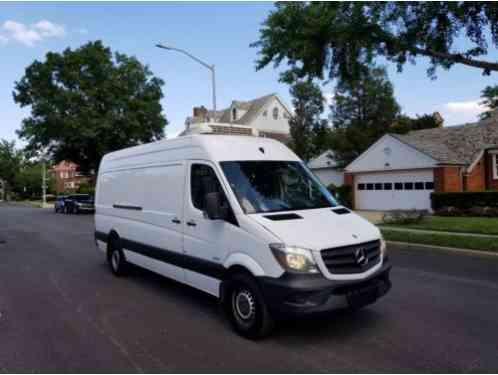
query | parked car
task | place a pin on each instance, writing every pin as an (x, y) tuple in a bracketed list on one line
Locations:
[(59, 204), (78, 203), (240, 218)]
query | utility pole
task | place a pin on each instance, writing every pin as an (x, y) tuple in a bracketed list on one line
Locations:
[(44, 183)]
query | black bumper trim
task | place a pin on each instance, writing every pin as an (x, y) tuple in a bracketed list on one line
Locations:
[(294, 294)]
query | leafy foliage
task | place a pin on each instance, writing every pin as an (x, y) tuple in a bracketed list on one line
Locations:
[(87, 102), (342, 39), (489, 98), (362, 112), (10, 162), (306, 126)]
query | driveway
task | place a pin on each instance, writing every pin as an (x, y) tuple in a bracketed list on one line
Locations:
[(61, 310)]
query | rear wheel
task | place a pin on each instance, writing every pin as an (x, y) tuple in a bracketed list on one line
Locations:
[(116, 259), (246, 307)]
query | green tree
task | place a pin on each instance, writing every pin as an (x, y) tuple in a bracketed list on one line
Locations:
[(489, 98), (362, 112), (306, 123), (28, 180), (344, 38), (10, 163), (87, 102)]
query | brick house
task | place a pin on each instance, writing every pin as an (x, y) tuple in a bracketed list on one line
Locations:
[(401, 171), (68, 178), (267, 116)]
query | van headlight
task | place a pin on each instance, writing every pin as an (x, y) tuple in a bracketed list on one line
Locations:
[(293, 258)]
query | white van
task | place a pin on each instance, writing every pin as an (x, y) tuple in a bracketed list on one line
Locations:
[(241, 218)]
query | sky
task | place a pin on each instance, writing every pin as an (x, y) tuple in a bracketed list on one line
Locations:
[(218, 33)]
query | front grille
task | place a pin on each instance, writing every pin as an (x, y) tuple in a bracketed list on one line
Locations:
[(343, 260)]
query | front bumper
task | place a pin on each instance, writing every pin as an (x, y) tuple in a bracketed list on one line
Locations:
[(293, 294)]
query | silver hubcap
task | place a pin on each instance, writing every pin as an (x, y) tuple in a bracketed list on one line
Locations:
[(244, 304), (115, 260)]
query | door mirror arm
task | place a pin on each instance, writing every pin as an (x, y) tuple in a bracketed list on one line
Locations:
[(213, 208)]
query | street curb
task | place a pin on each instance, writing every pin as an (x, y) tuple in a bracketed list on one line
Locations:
[(447, 249)]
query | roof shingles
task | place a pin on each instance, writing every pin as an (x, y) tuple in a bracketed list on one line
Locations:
[(454, 144)]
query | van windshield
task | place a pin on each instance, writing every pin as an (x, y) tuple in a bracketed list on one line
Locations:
[(271, 186)]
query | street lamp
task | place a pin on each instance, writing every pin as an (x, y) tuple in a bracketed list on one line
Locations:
[(210, 67)]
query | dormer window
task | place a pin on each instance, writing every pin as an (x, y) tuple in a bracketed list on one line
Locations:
[(275, 113), (234, 114)]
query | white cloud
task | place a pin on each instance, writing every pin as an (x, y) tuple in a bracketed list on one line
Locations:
[(455, 113), (3, 39), (29, 35)]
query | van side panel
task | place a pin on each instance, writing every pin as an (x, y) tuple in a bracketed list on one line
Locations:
[(143, 204)]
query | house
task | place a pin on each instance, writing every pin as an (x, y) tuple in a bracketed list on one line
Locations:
[(267, 116), (326, 169), (401, 171), (68, 178)]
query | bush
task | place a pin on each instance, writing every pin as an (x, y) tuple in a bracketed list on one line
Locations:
[(472, 212), (464, 200), (404, 216), (86, 188), (343, 193)]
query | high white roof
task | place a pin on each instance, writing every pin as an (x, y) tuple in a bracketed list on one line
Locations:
[(215, 148)]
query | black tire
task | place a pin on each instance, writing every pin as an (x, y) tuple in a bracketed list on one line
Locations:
[(246, 307), (116, 258)]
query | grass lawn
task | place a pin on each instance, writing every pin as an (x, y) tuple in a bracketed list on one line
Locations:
[(441, 239), (482, 225)]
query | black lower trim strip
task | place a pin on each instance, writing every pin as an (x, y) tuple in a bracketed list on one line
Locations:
[(127, 207), (191, 263)]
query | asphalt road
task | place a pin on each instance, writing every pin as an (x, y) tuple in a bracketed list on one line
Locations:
[(61, 310)]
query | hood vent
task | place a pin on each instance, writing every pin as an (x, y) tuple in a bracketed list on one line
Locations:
[(341, 211), (281, 217)]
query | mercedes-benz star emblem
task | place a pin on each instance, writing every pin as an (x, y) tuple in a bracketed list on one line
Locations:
[(361, 257)]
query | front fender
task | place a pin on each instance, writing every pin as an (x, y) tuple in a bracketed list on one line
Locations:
[(240, 259)]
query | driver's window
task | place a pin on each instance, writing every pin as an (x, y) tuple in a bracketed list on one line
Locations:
[(203, 180)]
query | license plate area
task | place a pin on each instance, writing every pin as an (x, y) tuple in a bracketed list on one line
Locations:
[(362, 296)]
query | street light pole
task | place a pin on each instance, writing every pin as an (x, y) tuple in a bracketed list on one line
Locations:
[(208, 66)]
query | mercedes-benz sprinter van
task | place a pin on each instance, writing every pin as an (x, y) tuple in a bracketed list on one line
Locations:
[(241, 218)]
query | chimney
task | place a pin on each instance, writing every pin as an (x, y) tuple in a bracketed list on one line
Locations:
[(200, 112)]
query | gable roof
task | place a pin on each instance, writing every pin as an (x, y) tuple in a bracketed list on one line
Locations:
[(252, 108), (454, 144), (324, 160)]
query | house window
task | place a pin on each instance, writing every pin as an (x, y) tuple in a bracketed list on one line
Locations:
[(388, 186), (398, 186), (495, 166), (429, 185), (419, 186), (275, 113), (378, 186), (370, 186), (234, 114), (361, 186), (408, 185)]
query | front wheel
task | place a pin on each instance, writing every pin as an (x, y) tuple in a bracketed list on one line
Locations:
[(247, 309)]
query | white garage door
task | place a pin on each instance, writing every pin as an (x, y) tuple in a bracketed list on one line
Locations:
[(392, 191)]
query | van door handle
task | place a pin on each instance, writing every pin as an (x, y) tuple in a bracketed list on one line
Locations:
[(176, 221), (191, 223)]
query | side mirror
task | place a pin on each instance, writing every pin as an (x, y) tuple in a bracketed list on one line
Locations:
[(214, 210)]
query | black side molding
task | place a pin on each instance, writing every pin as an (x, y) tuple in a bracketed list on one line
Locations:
[(283, 217), (341, 211), (127, 207)]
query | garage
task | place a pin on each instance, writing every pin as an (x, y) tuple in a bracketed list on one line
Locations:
[(394, 190)]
